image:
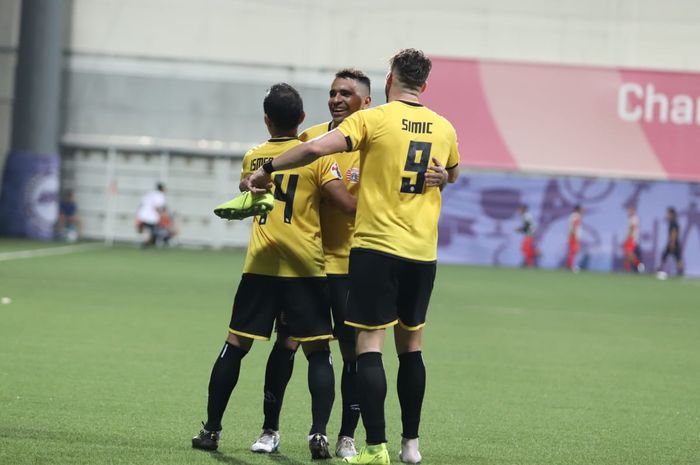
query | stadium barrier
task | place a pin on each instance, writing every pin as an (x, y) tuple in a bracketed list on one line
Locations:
[(110, 175)]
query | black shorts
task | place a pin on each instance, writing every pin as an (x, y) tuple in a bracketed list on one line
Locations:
[(303, 304), (386, 290), (676, 253), (150, 226), (338, 286)]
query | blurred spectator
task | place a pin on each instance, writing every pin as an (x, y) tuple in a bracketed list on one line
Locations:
[(574, 236), (673, 246), (149, 213), (632, 255), (165, 231), (68, 224), (527, 246)]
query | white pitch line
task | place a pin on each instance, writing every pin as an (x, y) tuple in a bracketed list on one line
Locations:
[(48, 251)]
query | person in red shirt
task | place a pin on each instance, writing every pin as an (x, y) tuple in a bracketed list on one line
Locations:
[(574, 235), (528, 230), (630, 247)]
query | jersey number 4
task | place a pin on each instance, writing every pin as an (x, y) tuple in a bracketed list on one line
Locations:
[(416, 165), (285, 196)]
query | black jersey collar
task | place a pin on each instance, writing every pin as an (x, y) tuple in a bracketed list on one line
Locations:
[(413, 104)]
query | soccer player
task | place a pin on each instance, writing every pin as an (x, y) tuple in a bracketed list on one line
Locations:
[(527, 228), (349, 92), (631, 245), (394, 248), (673, 245), (574, 235), (283, 275)]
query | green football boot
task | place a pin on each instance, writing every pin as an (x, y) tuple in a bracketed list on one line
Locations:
[(245, 205), (371, 455)]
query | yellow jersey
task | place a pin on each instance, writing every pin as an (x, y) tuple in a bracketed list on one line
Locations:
[(287, 242), (396, 213), (337, 227)]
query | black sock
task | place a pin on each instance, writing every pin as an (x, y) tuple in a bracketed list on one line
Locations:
[(224, 377), (370, 375), (351, 407), (322, 388), (280, 365), (410, 385)]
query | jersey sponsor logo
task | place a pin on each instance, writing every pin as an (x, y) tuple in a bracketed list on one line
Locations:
[(353, 174), (336, 171)]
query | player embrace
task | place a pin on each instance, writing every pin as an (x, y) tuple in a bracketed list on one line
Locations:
[(283, 276), (394, 249), (349, 92)]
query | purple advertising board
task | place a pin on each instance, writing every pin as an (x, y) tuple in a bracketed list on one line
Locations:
[(29, 197), (479, 220)]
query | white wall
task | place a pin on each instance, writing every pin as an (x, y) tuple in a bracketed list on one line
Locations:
[(328, 34), (197, 70)]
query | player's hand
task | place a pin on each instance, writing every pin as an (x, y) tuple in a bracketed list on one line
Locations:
[(259, 182), (436, 176)]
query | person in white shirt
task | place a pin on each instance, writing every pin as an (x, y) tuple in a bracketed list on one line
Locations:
[(148, 215)]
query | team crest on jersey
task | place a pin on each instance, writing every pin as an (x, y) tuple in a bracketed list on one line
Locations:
[(353, 174), (336, 171)]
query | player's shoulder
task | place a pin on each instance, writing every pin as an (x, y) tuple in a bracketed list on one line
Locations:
[(257, 148), (273, 147), (383, 108), (315, 131), (371, 116), (441, 119)]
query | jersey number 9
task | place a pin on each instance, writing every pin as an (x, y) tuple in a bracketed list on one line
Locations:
[(419, 166)]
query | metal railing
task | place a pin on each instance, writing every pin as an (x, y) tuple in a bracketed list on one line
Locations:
[(109, 175)]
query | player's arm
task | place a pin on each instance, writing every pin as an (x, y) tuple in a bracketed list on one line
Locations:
[(453, 162), (452, 174), (299, 155), (245, 174), (339, 196)]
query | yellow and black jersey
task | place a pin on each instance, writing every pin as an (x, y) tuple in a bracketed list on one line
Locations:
[(396, 213), (337, 227), (287, 242)]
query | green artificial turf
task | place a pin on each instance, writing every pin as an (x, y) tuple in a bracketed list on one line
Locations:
[(105, 357)]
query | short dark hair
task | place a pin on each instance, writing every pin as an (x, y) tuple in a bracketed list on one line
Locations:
[(160, 186), (284, 107), (356, 74), (411, 66), (672, 211)]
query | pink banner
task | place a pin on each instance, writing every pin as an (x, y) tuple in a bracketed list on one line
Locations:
[(563, 119)]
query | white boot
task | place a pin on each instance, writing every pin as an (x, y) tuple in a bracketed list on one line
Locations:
[(409, 451), (267, 443)]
